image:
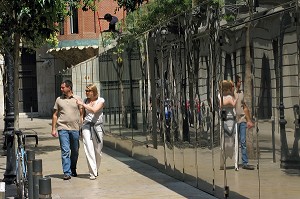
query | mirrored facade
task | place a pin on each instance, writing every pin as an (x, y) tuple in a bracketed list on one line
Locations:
[(162, 103)]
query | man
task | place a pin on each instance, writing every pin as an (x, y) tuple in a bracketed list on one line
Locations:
[(243, 120), (67, 119), (112, 22)]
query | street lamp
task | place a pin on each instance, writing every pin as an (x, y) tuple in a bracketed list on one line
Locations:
[(10, 171), (287, 160)]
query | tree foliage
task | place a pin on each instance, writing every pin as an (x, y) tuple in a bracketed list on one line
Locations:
[(131, 5), (34, 20), (154, 13), (29, 23)]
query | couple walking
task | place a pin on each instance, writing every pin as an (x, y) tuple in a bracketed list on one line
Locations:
[(71, 114), (236, 117)]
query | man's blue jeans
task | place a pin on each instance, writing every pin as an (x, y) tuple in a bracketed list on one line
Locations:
[(69, 145), (242, 134)]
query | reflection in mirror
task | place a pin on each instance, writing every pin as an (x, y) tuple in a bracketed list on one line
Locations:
[(205, 166), (174, 91)]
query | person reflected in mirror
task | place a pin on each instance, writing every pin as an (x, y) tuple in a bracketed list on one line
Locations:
[(244, 121), (229, 137), (92, 128)]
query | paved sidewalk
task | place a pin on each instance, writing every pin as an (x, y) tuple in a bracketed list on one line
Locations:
[(120, 176)]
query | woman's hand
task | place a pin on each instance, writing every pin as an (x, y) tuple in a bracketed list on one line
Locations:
[(79, 102)]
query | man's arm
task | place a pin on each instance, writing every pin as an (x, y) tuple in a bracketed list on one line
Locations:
[(247, 116), (81, 110), (54, 120)]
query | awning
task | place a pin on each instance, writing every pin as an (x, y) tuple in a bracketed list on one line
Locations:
[(75, 54)]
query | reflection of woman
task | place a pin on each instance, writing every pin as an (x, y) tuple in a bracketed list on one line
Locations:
[(227, 105), (92, 129)]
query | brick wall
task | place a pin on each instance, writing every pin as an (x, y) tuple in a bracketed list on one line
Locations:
[(88, 23)]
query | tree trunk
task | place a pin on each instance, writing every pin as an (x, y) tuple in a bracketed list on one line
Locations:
[(248, 93), (124, 119), (17, 39)]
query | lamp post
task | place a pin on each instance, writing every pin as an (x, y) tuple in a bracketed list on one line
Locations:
[(287, 160), (282, 121), (10, 171)]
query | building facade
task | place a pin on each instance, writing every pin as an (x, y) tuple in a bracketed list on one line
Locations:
[(78, 41)]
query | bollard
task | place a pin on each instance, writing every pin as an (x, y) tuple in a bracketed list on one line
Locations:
[(45, 188), (30, 158), (2, 190), (37, 174)]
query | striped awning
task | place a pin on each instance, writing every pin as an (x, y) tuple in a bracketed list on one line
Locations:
[(75, 54)]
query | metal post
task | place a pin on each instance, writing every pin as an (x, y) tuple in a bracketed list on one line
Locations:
[(273, 139), (30, 158), (10, 171), (2, 190), (45, 189), (282, 121), (37, 174)]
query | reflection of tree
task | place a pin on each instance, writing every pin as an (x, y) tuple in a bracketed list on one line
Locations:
[(159, 108), (133, 113), (174, 74), (184, 83), (144, 59), (197, 109), (119, 68)]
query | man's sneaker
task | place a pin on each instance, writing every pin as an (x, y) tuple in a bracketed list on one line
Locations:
[(248, 167), (74, 174), (67, 177)]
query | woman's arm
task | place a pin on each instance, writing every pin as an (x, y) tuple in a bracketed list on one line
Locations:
[(229, 100), (93, 109)]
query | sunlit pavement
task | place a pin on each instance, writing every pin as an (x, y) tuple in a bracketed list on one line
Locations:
[(120, 176)]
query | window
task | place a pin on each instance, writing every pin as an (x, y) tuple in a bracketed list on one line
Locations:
[(74, 20)]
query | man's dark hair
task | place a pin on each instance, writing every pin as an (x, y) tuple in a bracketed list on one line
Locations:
[(68, 83), (108, 17), (237, 78)]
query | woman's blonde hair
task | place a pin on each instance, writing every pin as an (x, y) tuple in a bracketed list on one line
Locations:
[(227, 87), (93, 88)]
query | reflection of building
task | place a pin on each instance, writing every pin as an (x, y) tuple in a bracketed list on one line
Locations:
[(42, 71)]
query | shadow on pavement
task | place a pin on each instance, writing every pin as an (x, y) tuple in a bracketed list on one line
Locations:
[(147, 170)]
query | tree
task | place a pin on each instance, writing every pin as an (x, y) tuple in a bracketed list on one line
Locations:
[(154, 13), (26, 23), (131, 5), (248, 83)]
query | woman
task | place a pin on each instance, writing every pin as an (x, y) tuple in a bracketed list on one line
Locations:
[(228, 115), (92, 128)]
